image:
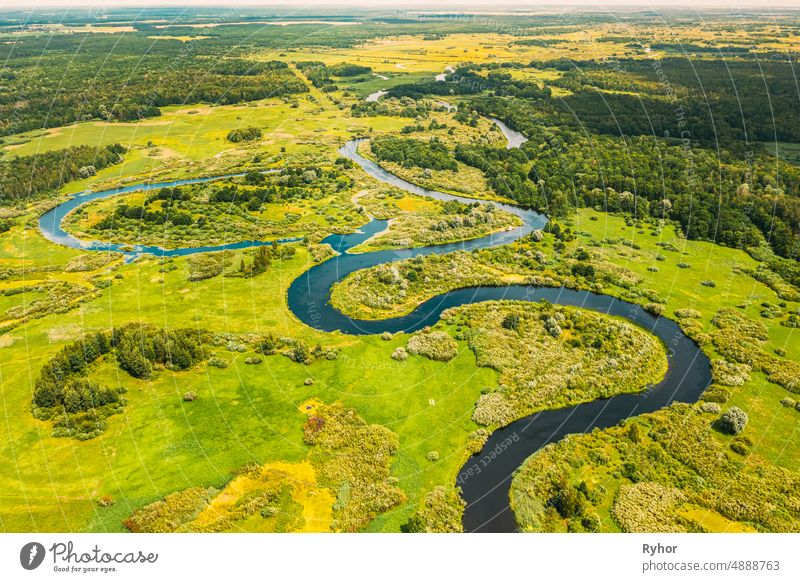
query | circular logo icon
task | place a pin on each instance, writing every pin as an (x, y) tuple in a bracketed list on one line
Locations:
[(31, 555)]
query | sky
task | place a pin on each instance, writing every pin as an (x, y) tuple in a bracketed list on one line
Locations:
[(466, 5)]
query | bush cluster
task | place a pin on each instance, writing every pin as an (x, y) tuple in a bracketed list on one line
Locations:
[(435, 345)]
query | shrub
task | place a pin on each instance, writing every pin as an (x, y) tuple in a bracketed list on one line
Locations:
[(299, 353), (217, 362), (492, 409), (732, 420), (439, 512), (655, 308), (647, 507), (711, 407), (591, 522), (567, 500), (729, 374), (387, 336), (552, 327), (236, 346), (435, 345), (244, 134), (740, 448), (269, 511), (789, 402), (477, 440), (269, 344), (354, 459), (399, 354), (688, 313), (308, 381), (166, 515), (708, 283), (785, 373), (730, 319), (189, 397), (105, 501), (432, 456), (716, 394)]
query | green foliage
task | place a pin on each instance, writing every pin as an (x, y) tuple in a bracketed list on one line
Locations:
[(139, 347), (410, 152), (346, 451), (169, 514), (648, 507), (728, 374), (681, 473), (126, 78), (511, 321), (207, 265), (224, 210), (436, 345), (28, 177), (567, 500), (79, 406), (243, 134), (262, 259), (732, 420), (439, 512), (540, 368)]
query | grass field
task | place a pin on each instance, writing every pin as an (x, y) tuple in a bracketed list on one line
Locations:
[(190, 141), (242, 413)]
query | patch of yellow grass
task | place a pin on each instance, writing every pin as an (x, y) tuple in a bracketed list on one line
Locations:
[(310, 406), (317, 501), (415, 204), (713, 521)]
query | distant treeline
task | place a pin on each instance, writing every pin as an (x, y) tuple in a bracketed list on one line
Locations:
[(713, 195), (322, 76), (55, 89), (466, 80)]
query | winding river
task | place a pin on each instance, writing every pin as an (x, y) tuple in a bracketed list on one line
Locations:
[(485, 479)]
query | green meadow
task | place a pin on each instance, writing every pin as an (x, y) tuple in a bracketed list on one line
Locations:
[(319, 424)]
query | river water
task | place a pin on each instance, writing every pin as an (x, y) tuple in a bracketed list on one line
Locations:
[(485, 478)]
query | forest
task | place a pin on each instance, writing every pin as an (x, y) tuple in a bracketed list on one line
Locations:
[(29, 177), (50, 88), (623, 158)]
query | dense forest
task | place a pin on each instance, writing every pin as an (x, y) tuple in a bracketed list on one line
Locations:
[(28, 177), (714, 195), (53, 88), (732, 102), (432, 154), (654, 147)]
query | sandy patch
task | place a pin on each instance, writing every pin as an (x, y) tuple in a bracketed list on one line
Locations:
[(62, 333), (7, 340)]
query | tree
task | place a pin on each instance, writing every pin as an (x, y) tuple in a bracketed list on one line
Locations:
[(261, 260), (732, 420)]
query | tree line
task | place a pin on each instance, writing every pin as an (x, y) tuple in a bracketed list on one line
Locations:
[(27, 177)]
